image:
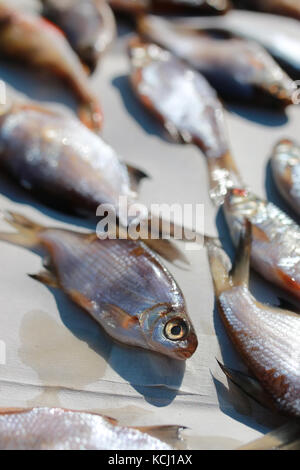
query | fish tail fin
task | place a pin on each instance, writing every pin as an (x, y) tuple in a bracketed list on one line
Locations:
[(219, 266), (90, 115), (241, 268), (169, 434), (27, 231)]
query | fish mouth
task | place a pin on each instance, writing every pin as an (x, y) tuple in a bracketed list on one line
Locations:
[(186, 353)]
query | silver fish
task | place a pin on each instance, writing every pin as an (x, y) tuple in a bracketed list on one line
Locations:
[(187, 106), (120, 283), (285, 164), (58, 429), (52, 154), (89, 26), (275, 252), (33, 40), (267, 338), (280, 38), (238, 69)]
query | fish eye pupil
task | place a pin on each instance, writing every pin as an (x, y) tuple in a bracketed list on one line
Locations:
[(176, 329)]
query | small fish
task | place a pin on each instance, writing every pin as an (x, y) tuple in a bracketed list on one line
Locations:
[(275, 251), (172, 6), (89, 26), (120, 283), (52, 154), (60, 429), (33, 40), (238, 69), (187, 106), (283, 44), (267, 338), (280, 7), (285, 164)]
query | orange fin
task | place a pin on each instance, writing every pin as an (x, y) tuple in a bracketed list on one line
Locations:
[(124, 319), (27, 230), (260, 235), (81, 300)]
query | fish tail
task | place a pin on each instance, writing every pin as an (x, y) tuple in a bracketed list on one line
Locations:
[(223, 277), (27, 231)]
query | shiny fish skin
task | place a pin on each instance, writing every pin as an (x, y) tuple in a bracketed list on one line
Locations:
[(33, 40), (57, 429), (185, 103), (267, 338), (285, 164), (50, 153), (280, 7), (275, 250), (237, 68), (120, 283), (89, 26)]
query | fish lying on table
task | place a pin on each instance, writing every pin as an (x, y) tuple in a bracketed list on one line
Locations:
[(285, 163), (280, 7), (89, 26), (52, 154), (238, 69), (280, 37), (120, 283), (59, 429), (204, 7), (267, 338), (187, 106), (33, 40)]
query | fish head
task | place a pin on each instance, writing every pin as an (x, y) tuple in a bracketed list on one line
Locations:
[(168, 330), (239, 205)]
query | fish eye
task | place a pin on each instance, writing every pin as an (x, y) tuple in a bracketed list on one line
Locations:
[(176, 329)]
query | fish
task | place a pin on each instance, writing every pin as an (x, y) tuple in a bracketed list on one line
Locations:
[(89, 26), (206, 7), (33, 40), (283, 44), (121, 283), (285, 164), (279, 7), (187, 106), (44, 428), (240, 70), (266, 338), (51, 154), (275, 251)]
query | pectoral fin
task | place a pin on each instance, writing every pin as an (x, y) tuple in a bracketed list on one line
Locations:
[(248, 385)]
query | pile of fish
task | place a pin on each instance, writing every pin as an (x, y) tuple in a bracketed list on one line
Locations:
[(180, 66)]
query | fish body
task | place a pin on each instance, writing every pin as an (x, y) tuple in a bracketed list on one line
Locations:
[(279, 7), (89, 26), (120, 283), (51, 153), (285, 163), (33, 40), (200, 7), (283, 44), (185, 103), (58, 429), (275, 252), (238, 69), (267, 338)]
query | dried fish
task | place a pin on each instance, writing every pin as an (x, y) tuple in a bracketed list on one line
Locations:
[(267, 338), (120, 283), (31, 39)]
